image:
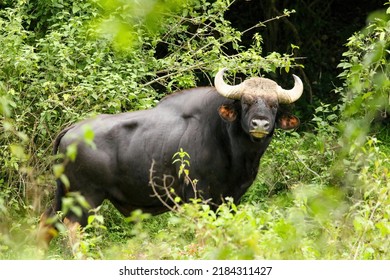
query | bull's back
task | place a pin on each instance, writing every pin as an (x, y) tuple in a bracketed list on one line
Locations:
[(117, 165)]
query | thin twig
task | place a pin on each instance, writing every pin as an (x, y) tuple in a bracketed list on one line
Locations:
[(175, 73), (165, 187), (307, 167), (263, 23)]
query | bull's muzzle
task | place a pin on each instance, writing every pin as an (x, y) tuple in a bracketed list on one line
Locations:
[(259, 128)]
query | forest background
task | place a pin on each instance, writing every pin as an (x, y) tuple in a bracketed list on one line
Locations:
[(322, 191)]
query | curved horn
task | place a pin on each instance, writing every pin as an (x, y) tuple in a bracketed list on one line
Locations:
[(232, 92), (289, 96)]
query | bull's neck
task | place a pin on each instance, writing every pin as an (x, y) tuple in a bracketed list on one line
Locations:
[(242, 145), (244, 157)]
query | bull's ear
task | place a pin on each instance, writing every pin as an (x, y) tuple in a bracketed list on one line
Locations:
[(227, 112), (287, 122)]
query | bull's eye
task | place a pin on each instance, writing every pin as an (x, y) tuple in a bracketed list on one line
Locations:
[(273, 106), (245, 107)]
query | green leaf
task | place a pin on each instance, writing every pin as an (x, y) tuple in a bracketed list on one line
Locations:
[(71, 151), (91, 218), (287, 68), (18, 151), (64, 179), (75, 8), (89, 135), (82, 201), (58, 170), (77, 210)]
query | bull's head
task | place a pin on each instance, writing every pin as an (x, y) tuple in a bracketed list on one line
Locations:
[(260, 99)]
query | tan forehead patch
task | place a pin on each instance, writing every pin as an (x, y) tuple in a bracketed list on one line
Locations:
[(255, 88)]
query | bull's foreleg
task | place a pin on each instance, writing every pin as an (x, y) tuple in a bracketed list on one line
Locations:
[(45, 233), (74, 236)]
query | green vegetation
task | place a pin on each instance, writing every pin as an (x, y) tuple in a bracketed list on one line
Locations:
[(322, 192)]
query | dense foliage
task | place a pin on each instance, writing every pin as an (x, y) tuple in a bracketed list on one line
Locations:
[(321, 193)]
